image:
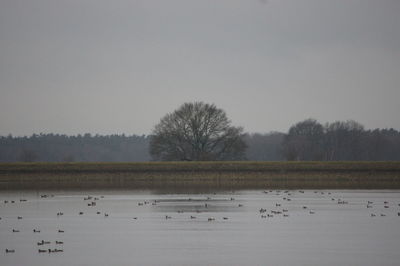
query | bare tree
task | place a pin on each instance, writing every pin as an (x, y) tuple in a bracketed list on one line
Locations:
[(197, 131), (304, 141)]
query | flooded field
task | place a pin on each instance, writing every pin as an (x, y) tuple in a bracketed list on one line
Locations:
[(255, 227)]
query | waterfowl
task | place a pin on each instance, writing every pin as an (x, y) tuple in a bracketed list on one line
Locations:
[(41, 243), (277, 204), (15, 231), (211, 219), (263, 216), (286, 215), (373, 215), (60, 231), (10, 250), (134, 218), (36, 231), (192, 217), (312, 212), (225, 218), (106, 215), (240, 205), (42, 250), (167, 217), (262, 210), (97, 212), (59, 243), (80, 213), (19, 217)]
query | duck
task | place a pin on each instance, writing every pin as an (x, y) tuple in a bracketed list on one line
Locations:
[(15, 231), (59, 242), (42, 250), (10, 250), (60, 231), (211, 219), (36, 231)]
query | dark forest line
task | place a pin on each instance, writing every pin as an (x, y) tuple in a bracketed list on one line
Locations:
[(307, 140)]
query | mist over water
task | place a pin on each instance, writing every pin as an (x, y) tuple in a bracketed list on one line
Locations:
[(253, 227)]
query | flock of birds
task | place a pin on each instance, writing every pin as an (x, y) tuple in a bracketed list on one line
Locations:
[(280, 208)]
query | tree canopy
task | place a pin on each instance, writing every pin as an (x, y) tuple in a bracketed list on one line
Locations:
[(197, 132)]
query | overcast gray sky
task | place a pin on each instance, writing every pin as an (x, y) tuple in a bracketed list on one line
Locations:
[(101, 66)]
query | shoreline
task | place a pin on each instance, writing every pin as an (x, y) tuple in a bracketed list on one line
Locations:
[(201, 175)]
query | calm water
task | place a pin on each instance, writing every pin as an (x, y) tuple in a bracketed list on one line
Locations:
[(149, 228)]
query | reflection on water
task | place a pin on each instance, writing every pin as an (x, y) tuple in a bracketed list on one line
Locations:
[(221, 228)]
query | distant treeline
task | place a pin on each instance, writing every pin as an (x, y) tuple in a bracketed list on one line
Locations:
[(305, 141)]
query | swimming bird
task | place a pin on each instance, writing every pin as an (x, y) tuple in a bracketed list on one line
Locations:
[(10, 250), (15, 231), (225, 218), (106, 215), (167, 217), (59, 243), (60, 231), (42, 250), (36, 231), (41, 243), (211, 219), (19, 217)]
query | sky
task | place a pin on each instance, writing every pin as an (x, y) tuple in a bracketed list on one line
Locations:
[(114, 67)]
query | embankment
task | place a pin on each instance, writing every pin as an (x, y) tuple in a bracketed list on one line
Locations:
[(201, 175)]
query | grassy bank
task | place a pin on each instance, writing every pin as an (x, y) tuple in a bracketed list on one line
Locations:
[(211, 175)]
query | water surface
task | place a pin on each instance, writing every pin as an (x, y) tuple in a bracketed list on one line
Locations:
[(224, 228)]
